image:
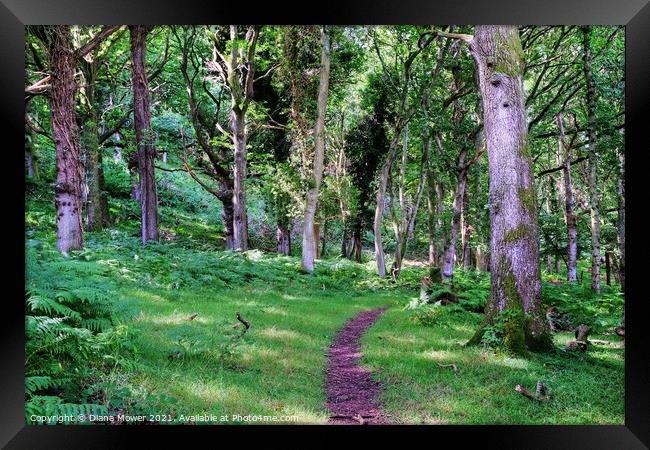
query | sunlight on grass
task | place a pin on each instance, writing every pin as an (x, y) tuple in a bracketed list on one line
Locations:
[(279, 334), (438, 355)]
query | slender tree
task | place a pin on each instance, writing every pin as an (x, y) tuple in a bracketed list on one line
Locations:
[(144, 135), (593, 159), (569, 205), (309, 241)]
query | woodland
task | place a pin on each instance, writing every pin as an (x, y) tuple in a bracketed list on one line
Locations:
[(324, 224)]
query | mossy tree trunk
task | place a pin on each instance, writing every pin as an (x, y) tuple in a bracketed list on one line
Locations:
[(62, 63), (514, 247)]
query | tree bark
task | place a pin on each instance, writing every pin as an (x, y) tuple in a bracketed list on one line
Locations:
[(431, 201), (227, 216), (345, 241), (95, 203), (381, 205), (90, 144), (62, 62), (241, 93), (569, 205), (240, 221), (593, 160), (441, 238), (466, 232), (621, 221), (355, 253), (143, 135), (31, 162), (283, 238), (450, 252), (309, 244), (515, 293)]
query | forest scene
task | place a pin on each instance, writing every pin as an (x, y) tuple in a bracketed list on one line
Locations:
[(263, 224)]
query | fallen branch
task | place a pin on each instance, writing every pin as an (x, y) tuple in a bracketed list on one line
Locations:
[(453, 366), (541, 393), (245, 322)]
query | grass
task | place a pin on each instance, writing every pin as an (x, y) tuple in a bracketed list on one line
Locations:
[(587, 388), (277, 367)]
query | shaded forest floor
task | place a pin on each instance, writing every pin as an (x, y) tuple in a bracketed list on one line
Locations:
[(182, 351)]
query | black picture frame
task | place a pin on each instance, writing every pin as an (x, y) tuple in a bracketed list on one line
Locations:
[(634, 14)]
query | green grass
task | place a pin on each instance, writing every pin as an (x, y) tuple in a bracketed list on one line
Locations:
[(277, 367), (587, 388)]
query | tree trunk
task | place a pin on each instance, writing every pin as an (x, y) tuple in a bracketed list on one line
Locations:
[(132, 165), (309, 244), (240, 221), (381, 205), (345, 241), (30, 136), (355, 253), (441, 239), (91, 148), (29, 158), (143, 135), (466, 232), (103, 199), (226, 197), (316, 240), (593, 160), (608, 269), (323, 237), (90, 144), (481, 260), (515, 293), (283, 238), (569, 205), (66, 137), (431, 214), (448, 262), (620, 188)]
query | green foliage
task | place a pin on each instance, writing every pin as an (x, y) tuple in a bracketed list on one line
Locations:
[(601, 312), (71, 335)]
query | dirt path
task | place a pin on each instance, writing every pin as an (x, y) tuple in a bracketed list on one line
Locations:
[(351, 391)]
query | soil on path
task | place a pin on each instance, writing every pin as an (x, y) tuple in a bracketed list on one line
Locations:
[(351, 391)]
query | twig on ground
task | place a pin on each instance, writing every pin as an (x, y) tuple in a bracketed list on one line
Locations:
[(453, 366), (541, 392), (246, 323)]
